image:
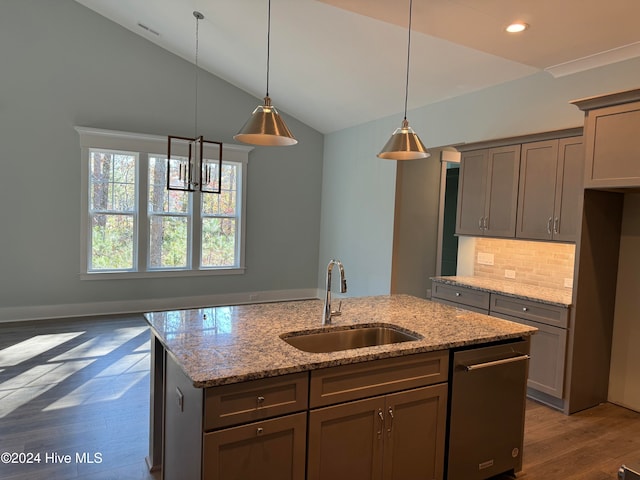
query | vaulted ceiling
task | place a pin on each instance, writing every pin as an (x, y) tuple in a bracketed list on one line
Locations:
[(339, 63)]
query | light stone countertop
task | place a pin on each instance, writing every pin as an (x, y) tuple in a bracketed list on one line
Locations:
[(229, 344), (552, 296)]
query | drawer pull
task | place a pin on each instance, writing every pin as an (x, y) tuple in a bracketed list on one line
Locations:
[(259, 431), (260, 400), (524, 309), (458, 294)]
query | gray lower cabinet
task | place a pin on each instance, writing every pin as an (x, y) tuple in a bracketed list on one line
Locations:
[(270, 450), (381, 419), (548, 345), (391, 437)]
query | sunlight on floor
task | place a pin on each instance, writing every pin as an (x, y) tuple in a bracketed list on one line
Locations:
[(32, 347)]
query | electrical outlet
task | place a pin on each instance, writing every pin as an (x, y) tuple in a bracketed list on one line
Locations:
[(510, 273), (568, 282), (485, 258)]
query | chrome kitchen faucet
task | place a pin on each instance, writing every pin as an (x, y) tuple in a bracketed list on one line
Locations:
[(328, 313)]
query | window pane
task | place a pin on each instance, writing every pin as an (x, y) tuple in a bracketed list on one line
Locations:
[(161, 199), (225, 203), (218, 242), (168, 237), (112, 242), (229, 174), (113, 177)]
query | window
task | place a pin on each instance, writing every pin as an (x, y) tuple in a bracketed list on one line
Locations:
[(133, 226)]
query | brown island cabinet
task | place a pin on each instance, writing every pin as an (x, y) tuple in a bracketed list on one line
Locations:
[(368, 413)]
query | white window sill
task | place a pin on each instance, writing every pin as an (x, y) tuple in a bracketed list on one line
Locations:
[(117, 275)]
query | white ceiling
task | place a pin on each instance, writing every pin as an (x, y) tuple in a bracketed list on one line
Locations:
[(339, 63)]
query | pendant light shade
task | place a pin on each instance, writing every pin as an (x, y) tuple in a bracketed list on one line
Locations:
[(405, 144), (266, 127)]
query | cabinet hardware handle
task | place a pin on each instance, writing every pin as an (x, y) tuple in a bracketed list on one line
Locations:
[(391, 422), (381, 416), (524, 309), (486, 223), (549, 222), (478, 366), (458, 294), (556, 225), (260, 399), (259, 431), (480, 222)]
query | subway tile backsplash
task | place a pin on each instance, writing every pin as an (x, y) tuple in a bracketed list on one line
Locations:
[(544, 264)]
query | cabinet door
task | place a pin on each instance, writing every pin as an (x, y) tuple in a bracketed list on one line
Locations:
[(548, 352), (471, 193), (415, 434), (613, 146), (569, 180), (345, 441), (502, 191), (546, 368), (271, 450), (538, 166)]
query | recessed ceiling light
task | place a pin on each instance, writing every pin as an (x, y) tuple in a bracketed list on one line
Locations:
[(517, 27)]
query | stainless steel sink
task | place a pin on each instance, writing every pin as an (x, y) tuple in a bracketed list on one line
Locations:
[(336, 339)]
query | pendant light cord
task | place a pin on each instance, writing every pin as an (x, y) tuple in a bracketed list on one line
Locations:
[(406, 87), (199, 17), (268, 42)]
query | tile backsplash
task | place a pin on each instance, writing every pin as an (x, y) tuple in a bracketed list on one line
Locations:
[(543, 264)]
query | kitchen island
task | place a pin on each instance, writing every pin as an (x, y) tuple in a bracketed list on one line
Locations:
[(210, 367)]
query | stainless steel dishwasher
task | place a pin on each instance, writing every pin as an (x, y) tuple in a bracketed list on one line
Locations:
[(486, 415)]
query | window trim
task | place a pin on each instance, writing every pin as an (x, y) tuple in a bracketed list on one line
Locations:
[(143, 145)]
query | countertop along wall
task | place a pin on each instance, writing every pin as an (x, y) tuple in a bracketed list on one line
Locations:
[(64, 65)]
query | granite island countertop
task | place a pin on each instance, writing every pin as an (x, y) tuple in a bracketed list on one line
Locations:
[(229, 344), (552, 296)]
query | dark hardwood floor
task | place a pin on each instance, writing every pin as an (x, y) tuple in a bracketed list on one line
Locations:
[(77, 388), (81, 388)]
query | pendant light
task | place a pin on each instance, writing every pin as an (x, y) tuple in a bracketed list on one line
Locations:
[(266, 126), (188, 168), (405, 144)]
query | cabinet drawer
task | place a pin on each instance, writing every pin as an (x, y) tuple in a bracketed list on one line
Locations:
[(270, 450), (254, 400), (351, 382), (530, 310), (461, 295)]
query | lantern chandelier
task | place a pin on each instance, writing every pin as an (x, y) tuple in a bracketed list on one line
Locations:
[(194, 164)]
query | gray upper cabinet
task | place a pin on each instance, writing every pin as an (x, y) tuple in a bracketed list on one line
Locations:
[(612, 143), (551, 175), (488, 192)]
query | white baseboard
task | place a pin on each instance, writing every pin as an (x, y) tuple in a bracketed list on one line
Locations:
[(45, 312)]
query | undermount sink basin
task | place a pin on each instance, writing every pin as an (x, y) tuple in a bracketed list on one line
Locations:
[(337, 339)]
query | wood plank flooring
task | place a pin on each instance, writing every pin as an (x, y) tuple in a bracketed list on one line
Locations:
[(81, 387), (75, 387)]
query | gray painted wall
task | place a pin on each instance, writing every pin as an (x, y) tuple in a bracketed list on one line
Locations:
[(63, 65), (358, 188)]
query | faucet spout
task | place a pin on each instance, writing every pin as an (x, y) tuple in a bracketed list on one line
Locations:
[(328, 312)]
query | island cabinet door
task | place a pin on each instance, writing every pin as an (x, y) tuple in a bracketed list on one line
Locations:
[(415, 434), (346, 441), (269, 450)]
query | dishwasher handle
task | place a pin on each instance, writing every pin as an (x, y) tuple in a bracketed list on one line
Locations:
[(493, 363)]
